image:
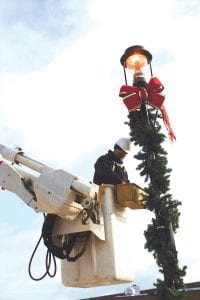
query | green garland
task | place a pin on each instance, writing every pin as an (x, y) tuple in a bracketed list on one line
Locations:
[(146, 133)]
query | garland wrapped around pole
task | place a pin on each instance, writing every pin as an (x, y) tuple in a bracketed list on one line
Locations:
[(159, 234), (144, 102)]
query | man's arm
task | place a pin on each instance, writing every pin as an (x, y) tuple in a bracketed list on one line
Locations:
[(104, 172)]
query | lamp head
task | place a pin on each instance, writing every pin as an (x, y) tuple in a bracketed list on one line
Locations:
[(140, 54), (136, 58)]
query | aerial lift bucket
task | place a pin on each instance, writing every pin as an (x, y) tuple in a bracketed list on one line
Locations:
[(110, 260)]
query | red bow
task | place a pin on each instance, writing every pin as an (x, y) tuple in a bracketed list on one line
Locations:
[(151, 94)]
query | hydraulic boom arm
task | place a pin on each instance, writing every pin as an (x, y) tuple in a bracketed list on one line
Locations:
[(50, 191)]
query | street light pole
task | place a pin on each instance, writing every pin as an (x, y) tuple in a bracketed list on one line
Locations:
[(138, 97)]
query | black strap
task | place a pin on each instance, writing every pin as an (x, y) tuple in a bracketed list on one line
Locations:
[(72, 240)]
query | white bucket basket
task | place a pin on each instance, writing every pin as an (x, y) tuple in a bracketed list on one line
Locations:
[(109, 261)]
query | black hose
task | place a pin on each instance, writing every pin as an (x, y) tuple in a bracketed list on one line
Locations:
[(53, 251), (48, 260)]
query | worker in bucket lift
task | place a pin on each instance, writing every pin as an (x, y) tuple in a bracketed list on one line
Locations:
[(109, 168)]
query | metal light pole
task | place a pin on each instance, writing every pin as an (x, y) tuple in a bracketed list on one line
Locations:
[(136, 60)]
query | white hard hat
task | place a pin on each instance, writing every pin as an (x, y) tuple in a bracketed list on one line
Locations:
[(125, 144)]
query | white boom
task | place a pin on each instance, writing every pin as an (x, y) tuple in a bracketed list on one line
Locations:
[(53, 191)]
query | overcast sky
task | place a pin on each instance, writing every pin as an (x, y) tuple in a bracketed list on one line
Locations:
[(60, 77)]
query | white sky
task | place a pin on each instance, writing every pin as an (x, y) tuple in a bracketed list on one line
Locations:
[(59, 82)]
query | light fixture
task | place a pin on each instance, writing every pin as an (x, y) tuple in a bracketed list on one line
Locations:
[(136, 58)]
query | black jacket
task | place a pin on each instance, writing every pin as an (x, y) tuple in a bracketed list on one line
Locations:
[(109, 170)]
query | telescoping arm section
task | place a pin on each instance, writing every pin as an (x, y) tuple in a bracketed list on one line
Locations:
[(52, 191)]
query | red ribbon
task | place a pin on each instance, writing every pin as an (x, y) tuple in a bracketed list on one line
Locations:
[(151, 94)]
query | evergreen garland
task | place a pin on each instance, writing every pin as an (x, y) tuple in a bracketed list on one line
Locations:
[(145, 131)]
